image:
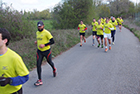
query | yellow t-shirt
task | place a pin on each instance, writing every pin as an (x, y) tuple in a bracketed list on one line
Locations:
[(102, 20), (106, 28), (94, 24), (120, 21), (99, 30), (43, 38), (110, 21), (114, 24), (11, 65), (82, 27)]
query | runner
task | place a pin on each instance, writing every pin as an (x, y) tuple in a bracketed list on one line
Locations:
[(107, 34), (13, 72), (110, 20), (100, 33), (44, 40), (94, 31), (82, 27), (104, 20), (114, 23), (120, 21)]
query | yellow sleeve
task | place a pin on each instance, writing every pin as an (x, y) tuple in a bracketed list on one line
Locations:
[(20, 69), (78, 25), (49, 36)]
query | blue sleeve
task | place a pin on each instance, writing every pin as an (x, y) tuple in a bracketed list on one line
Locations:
[(19, 80)]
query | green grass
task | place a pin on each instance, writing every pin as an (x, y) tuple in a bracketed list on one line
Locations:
[(47, 24), (64, 39)]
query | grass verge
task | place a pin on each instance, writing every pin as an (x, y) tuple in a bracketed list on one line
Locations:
[(134, 31)]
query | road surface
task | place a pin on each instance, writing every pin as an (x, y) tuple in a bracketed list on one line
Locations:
[(90, 70)]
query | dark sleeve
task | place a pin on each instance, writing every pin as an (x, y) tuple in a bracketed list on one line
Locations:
[(50, 43)]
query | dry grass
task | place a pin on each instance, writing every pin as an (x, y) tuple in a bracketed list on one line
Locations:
[(133, 27)]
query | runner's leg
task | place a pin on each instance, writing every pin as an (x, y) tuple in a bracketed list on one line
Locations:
[(48, 56), (94, 35), (81, 40), (98, 39), (113, 35), (84, 37), (39, 62), (102, 37), (105, 42)]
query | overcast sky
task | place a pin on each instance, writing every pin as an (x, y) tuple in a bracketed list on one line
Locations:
[(29, 5)]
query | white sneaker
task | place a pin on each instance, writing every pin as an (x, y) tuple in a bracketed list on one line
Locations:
[(113, 43), (93, 44)]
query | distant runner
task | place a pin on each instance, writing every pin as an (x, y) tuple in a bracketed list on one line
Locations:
[(94, 30), (114, 23), (120, 22), (100, 33), (82, 27), (104, 20), (107, 34)]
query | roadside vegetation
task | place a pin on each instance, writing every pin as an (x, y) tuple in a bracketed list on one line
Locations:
[(133, 26)]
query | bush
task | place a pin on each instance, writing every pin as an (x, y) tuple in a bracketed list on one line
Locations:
[(16, 24)]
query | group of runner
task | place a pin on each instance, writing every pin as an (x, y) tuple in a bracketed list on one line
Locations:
[(102, 30), (13, 72)]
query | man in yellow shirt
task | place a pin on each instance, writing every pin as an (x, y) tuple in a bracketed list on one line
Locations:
[(44, 40), (100, 33), (82, 27), (114, 23), (13, 72), (120, 22), (104, 20), (94, 30), (107, 34)]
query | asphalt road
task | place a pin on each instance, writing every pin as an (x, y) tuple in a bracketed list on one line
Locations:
[(90, 70)]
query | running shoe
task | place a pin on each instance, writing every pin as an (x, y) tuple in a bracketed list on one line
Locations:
[(109, 47), (38, 83), (93, 44), (84, 41), (102, 46), (98, 45), (80, 45), (54, 73), (106, 49), (112, 43)]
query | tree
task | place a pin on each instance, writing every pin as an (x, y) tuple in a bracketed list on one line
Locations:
[(45, 14), (121, 7), (69, 14), (103, 10)]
